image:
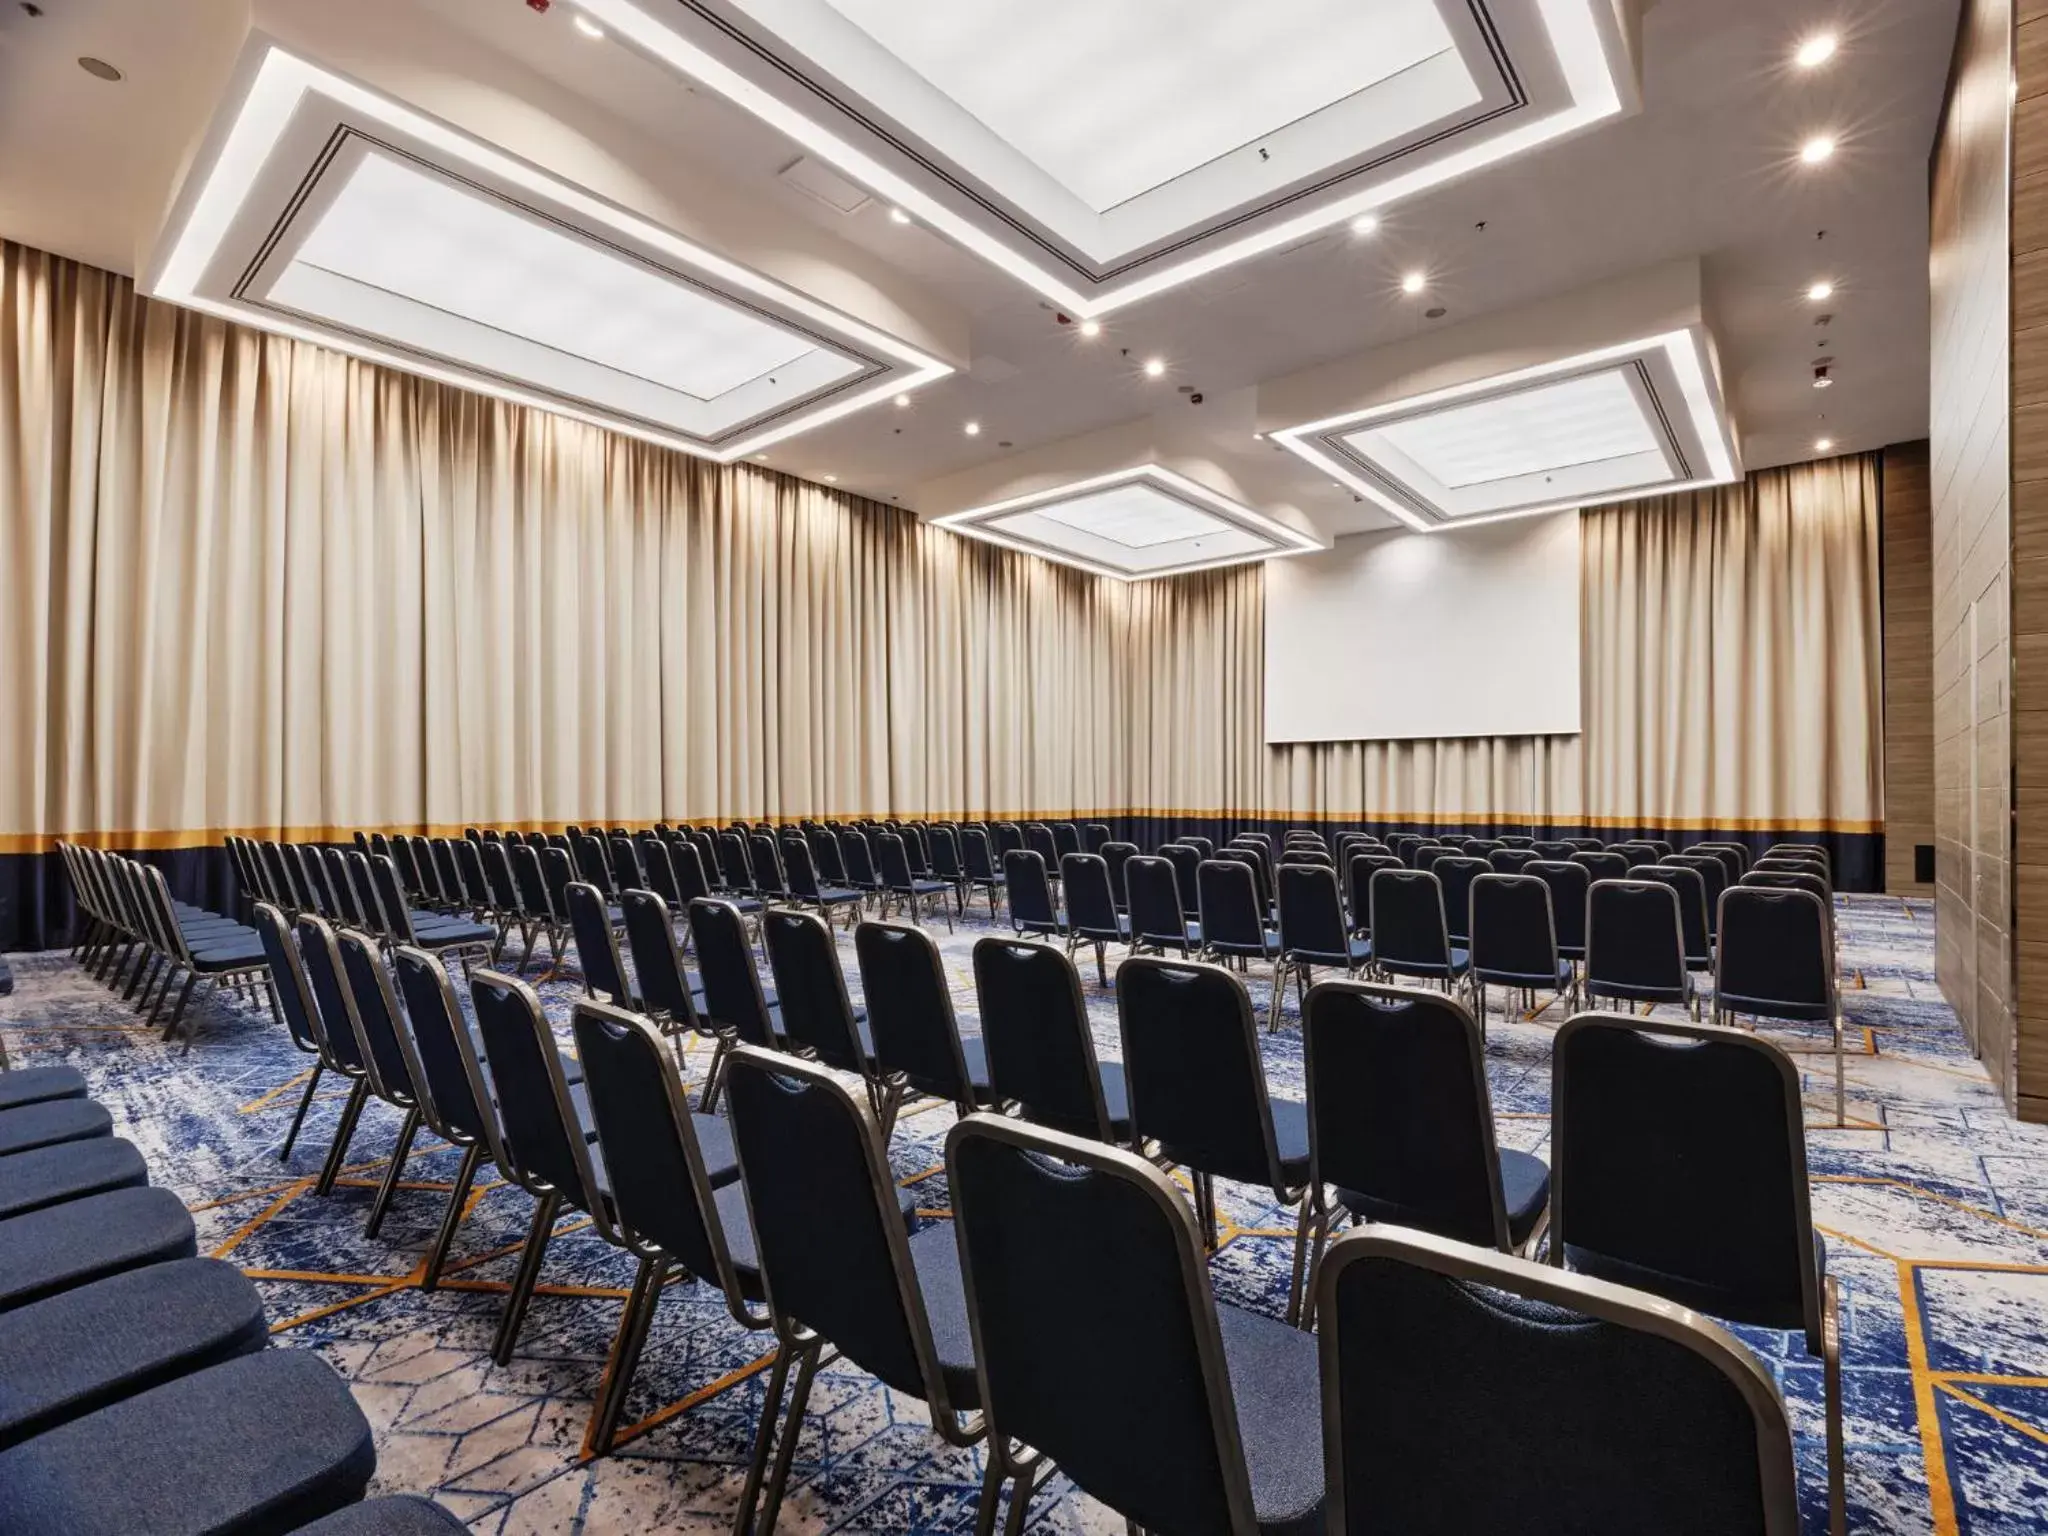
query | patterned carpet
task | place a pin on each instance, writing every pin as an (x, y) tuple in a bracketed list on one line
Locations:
[(1934, 1206)]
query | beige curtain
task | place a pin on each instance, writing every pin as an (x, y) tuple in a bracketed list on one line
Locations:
[(253, 585)]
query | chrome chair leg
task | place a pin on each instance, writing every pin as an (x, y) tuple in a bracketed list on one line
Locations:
[(1831, 1360), (634, 1323), (458, 1198), (537, 1234), (1304, 1226), (792, 1430), (764, 1436), (400, 1151), (344, 1131), (299, 1118)]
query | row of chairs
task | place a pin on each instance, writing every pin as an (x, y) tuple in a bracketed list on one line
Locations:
[(140, 1391)]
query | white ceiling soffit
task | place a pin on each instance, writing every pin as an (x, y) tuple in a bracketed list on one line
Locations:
[(1132, 524), (326, 211), (1104, 153), (1638, 418)]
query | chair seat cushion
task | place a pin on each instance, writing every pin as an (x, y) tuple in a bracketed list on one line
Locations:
[(836, 895), (714, 1140), (37, 1085), (935, 1255), (81, 1349), (230, 955), (458, 932), (1525, 1191), (70, 1170), (1769, 1008), (51, 1122), (1116, 1098), (1290, 1138), (264, 1443), (1357, 952), (974, 1051), (1785, 1312), (60, 1246), (1560, 980), (397, 1514), (1279, 1418)]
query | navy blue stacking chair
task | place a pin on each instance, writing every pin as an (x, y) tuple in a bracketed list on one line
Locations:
[(1092, 916), (857, 853), (1008, 836), (1029, 889), (1256, 858), (1359, 863), (1233, 915), (348, 1052), (1734, 857), (1636, 852), (1714, 878), (1693, 922), (301, 1015), (627, 871), (837, 1266), (1312, 932), (1635, 944), (1514, 941), (1480, 847), (658, 866), (1101, 1347), (1602, 865), (536, 902), (389, 1060), (1302, 855), (737, 863), (666, 1209), (1410, 934), (1095, 836), (1186, 860), (1511, 861), (771, 881), (1776, 961), (735, 1006), (444, 935), (593, 864), (1791, 880), (1198, 1088), (597, 945), (1569, 881), (916, 1036), (1040, 1050), (1404, 844), (1158, 921), (1117, 856), (1456, 875), (1401, 1121), (943, 846), (904, 885), (455, 893), (1066, 838), (1590, 1407), (1204, 846), (668, 994), (1555, 848), (818, 1018), (508, 905), (977, 861), (1679, 1156), (1038, 839)]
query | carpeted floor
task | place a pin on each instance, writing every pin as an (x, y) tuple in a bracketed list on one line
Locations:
[(1933, 1203)]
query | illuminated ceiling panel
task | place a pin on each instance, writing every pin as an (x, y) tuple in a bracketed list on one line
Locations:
[(1133, 524), (1101, 154), (326, 211)]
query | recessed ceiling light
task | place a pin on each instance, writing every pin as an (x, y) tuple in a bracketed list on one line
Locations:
[(972, 429), (1821, 291), (1414, 282), (1821, 380), (1815, 51), (1365, 224), (902, 400), (760, 455), (1154, 367), (1823, 445), (589, 28), (1817, 149), (99, 69), (1091, 327), (898, 216), (829, 479)]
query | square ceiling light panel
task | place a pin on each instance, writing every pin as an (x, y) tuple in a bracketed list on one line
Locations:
[(1633, 420), (1103, 153), (331, 213), (1136, 523)]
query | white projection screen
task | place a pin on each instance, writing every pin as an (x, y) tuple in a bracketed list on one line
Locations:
[(1398, 636)]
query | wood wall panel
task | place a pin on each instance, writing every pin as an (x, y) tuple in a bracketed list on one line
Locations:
[(1908, 666), (1970, 486), (2030, 558)]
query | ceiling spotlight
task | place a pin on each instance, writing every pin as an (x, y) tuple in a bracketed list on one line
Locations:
[(1154, 367), (829, 479), (1816, 149), (1414, 282), (972, 429), (901, 401), (1091, 327), (99, 69), (898, 216), (1815, 51), (760, 455), (1821, 377), (1820, 292), (1365, 224), (1823, 445), (589, 28)]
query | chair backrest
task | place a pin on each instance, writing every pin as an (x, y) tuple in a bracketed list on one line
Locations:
[(1636, 854), (333, 997), (1008, 836), (1066, 838), (1635, 940), (1479, 847), (378, 1012), (1312, 915), (496, 857), (1692, 906), (1039, 839), (1513, 933), (910, 1010), (1186, 860), (943, 844), (1678, 1164), (542, 1136), (1791, 880), (1738, 856), (817, 1015), (1552, 848), (1588, 1406), (1407, 918), (827, 1226), (354, 901), (1714, 880), (657, 963), (1399, 1111), (733, 859), (706, 845), (558, 873), (302, 1018), (1568, 881), (893, 855), (1118, 857), (1602, 865), (1359, 864), (1030, 892), (725, 960), (1791, 864), (1206, 847), (826, 861), (597, 948), (1254, 857), (1034, 1027), (1154, 894), (1304, 855), (1091, 902), (1095, 836), (532, 883), (692, 880), (766, 859), (1233, 917), (469, 863), (917, 848), (1511, 861), (977, 854), (660, 1189), (453, 892), (440, 1038), (627, 872), (799, 873), (1456, 875), (1096, 1339), (1191, 1060), (586, 851), (1515, 840), (858, 855), (1776, 951)]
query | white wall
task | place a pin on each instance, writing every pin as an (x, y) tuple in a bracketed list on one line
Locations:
[(1393, 636)]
